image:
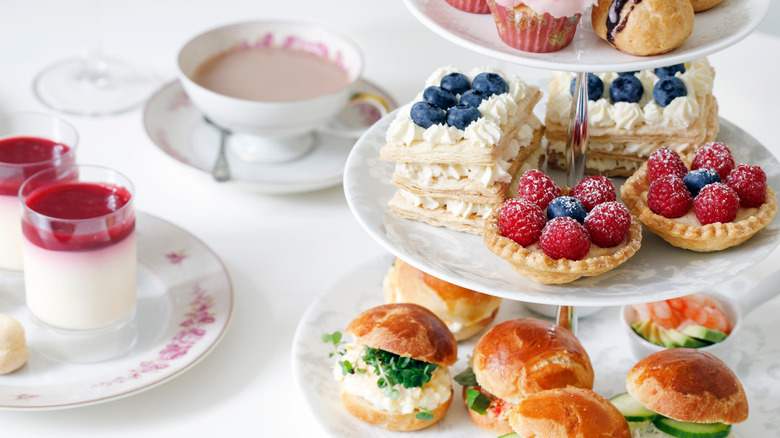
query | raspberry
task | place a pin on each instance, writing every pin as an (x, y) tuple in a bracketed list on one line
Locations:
[(669, 197), (608, 224), (665, 161), (594, 190), (565, 238), (521, 221), (749, 182), (535, 186), (714, 155), (716, 202)]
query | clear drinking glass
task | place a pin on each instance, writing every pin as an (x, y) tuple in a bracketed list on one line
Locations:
[(79, 250), (29, 143)]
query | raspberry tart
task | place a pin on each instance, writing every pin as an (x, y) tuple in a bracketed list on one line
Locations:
[(555, 235), (711, 205)]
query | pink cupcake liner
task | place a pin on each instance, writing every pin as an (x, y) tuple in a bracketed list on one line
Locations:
[(473, 6), (532, 32)]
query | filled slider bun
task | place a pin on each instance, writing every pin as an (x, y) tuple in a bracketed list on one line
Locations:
[(465, 311), (517, 358), (567, 413), (395, 374), (680, 391)]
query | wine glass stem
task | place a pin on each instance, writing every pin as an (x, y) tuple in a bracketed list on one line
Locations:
[(94, 68)]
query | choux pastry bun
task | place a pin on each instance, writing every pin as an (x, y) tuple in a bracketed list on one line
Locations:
[(645, 27)]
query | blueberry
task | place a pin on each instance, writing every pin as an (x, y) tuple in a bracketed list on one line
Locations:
[(595, 87), (628, 73), (461, 116), (566, 206), (439, 97), (472, 98), (425, 114), (670, 70), (489, 84), (626, 89), (695, 180), (455, 83), (667, 89)]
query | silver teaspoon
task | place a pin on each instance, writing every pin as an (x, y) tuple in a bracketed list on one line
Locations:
[(221, 171)]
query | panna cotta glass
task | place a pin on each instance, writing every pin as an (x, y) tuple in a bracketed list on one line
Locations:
[(29, 143), (79, 254)]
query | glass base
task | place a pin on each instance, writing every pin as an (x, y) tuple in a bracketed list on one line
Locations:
[(113, 87), (83, 347)]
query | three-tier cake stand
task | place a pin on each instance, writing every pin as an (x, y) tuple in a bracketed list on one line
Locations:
[(657, 271)]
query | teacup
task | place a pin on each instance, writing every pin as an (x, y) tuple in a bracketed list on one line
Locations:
[(735, 311), (279, 126)]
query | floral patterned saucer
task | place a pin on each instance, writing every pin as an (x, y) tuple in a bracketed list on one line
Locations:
[(177, 127), (185, 302)]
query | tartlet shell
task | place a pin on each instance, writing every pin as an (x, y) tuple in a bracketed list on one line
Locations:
[(705, 238), (541, 268)]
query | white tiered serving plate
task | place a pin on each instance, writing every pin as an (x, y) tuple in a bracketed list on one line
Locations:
[(657, 271), (713, 30), (185, 303), (360, 289)]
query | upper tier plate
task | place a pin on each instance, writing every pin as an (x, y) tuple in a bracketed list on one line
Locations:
[(658, 270), (713, 30)]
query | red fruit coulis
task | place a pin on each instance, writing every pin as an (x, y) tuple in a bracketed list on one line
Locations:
[(75, 201), (27, 150)]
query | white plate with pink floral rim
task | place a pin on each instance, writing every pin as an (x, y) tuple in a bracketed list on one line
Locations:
[(177, 127), (713, 30), (185, 302)]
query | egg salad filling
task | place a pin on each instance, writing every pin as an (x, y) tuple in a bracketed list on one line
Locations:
[(392, 382)]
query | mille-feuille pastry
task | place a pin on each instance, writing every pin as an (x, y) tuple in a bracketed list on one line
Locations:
[(459, 144), (632, 114), (548, 235), (13, 346), (466, 312), (702, 202), (643, 27)]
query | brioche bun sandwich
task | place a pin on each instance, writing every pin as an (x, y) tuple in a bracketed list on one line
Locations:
[(465, 311), (395, 374), (569, 412), (515, 359), (682, 392)]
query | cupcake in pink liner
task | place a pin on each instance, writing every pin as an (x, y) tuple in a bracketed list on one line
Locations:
[(538, 25), (473, 6)]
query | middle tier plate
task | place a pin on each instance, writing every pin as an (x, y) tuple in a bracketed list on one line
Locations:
[(658, 270)]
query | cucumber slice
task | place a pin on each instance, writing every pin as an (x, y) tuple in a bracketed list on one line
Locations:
[(511, 435), (684, 340), (681, 429), (703, 333), (632, 409)]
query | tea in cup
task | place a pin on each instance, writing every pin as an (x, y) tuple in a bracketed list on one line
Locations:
[(275, 81)]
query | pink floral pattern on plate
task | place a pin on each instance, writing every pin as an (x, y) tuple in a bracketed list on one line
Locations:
[(185, 305), (193, 331)]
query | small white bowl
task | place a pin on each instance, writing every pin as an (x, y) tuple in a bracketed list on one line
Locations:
[(283, 129), (735, 311)]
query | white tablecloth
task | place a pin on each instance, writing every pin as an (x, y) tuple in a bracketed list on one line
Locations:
[(281, 251)]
